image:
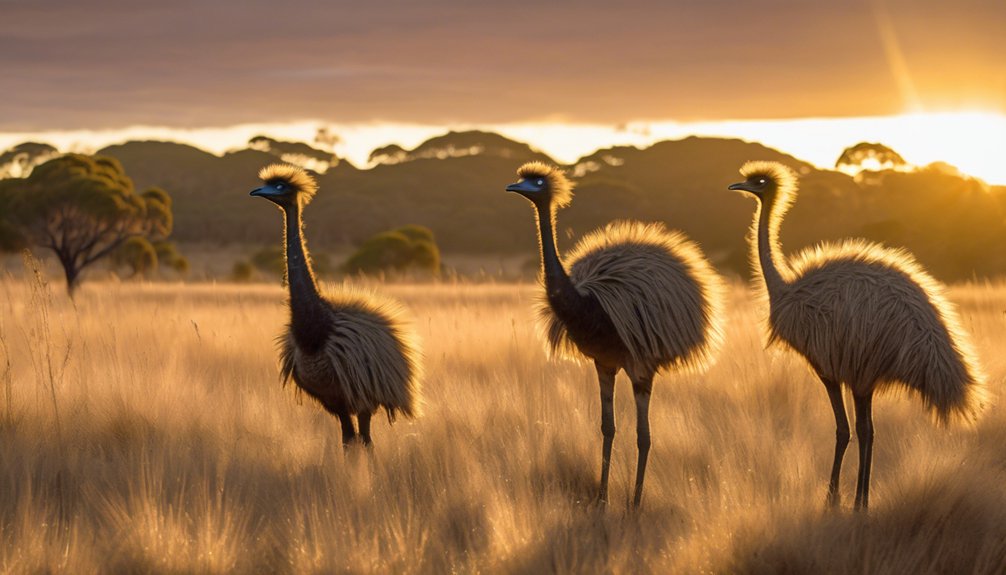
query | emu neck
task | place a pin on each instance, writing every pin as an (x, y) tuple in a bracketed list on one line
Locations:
[(769, 254), (558, 287), (306, 304)]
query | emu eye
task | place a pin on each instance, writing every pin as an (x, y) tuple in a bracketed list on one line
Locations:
[(540, 182), (761, 181), (279, 186)]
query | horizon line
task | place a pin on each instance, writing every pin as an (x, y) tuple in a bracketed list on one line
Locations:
[(969, 137)]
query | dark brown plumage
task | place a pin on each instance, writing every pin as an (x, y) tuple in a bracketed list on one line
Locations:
[(863, 316), (637, 298), (350, 351)]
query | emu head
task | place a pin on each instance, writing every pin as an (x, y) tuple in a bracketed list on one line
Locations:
[(767, 181), (543, 185), (286, 185)]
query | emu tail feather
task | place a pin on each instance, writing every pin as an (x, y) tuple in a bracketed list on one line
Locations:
[(953, 385)]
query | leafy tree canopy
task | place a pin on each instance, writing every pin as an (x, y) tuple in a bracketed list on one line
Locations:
[(83, 208), (869, 156), (19, 161)]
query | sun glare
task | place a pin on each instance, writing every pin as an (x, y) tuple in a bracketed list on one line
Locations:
[(972, 141)]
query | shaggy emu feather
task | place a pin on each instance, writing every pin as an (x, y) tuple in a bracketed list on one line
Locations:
[(660, 293), (637, 298), (351, 351), (863, 316)]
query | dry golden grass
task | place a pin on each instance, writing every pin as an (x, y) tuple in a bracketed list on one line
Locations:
[(143, 429)]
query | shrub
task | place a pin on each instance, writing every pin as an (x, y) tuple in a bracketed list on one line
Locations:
[(137, 254), (168, 255), (411, 247), (242, 272)]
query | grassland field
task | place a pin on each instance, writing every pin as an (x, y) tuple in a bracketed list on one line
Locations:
[(143, 428)]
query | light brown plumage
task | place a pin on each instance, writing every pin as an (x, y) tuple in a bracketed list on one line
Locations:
[(370, 360), (863, 316), (558, 184), (659, 291), (292, 175), (868, 316), (637, 298), (351, 351), (871, 317)]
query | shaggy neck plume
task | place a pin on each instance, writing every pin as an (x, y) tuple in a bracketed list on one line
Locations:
[(306, 304), (558, 286), (769, 254)]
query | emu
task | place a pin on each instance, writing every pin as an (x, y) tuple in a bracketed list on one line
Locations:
[(863, 316), (350, 351), (638, 298)]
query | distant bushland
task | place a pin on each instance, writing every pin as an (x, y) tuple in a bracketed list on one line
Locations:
[(454, 186)]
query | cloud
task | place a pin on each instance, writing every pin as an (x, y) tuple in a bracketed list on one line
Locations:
[(73, 65)]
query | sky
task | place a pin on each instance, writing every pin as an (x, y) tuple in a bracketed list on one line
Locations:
[(553, 72)]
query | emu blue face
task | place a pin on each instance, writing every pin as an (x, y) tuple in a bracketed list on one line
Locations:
[(531, 187), (757, 184), (276, 191)]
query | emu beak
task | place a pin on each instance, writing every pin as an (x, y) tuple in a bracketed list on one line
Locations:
[(522, 187), (267, 192), (739, 187)]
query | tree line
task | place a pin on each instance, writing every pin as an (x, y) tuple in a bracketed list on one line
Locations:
[(452, 186)]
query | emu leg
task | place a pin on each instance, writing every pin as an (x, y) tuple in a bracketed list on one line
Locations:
[(606, 380), (864, 434), (364, 421), (642, 389), (841, 438), (348, 433)]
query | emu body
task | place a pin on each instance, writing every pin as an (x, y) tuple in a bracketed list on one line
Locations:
[(637, 298), (863, 316), (350, 351)]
